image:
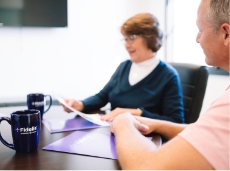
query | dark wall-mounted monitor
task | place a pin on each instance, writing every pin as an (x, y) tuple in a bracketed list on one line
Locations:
[(33, 13)]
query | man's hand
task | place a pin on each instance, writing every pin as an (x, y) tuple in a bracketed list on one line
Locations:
[(127, 118), (76, 104), (111, 116)]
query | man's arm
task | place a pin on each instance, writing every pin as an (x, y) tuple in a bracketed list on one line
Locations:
[(136, 152)]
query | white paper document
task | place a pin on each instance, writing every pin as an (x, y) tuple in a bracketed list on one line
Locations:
[(94, 118)]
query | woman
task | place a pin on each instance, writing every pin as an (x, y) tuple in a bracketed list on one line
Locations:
[(143, 85)]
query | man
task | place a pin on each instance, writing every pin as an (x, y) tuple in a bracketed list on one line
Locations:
[(201, 145)]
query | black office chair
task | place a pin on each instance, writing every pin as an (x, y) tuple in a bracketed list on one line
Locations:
[(194, 81)]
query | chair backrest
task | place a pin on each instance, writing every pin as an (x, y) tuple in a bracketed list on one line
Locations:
[(194, 81)]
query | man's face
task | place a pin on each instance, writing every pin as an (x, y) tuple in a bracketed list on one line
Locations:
[(208, 39)]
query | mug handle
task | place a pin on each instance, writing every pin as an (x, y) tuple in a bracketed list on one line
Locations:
[(1, 139), (49, 104)]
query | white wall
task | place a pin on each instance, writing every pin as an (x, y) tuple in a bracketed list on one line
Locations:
[(185, 47), (78, 60), (75, 61)]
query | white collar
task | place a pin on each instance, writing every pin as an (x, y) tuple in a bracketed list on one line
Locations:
[(149, 62), (139, 71)]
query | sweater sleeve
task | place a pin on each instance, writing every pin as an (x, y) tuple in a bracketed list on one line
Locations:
[(171, 103), (100, 99)]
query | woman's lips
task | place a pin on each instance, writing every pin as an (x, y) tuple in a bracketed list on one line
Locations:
[(131, 52)]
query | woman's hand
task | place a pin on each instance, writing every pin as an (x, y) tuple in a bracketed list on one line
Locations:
[(76, 104), (111, 116), (151, 123)]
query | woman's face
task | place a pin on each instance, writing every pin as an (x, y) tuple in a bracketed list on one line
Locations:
[(137, 48)]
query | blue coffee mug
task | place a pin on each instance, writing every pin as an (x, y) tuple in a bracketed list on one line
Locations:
[(25, 129), (37, 101)]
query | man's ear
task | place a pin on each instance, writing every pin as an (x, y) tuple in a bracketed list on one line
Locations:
[(225, 29)]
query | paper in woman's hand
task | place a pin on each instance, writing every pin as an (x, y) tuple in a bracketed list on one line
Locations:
[(94, 118)]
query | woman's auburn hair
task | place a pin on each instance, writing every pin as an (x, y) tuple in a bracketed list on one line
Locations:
[(147, 26)]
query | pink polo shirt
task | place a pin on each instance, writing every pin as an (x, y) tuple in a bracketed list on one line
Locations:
[(209, 135)]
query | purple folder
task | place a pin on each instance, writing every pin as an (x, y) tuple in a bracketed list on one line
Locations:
[(62, 125), (87, 143)]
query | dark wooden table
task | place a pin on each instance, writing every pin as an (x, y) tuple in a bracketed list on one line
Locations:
[(48, 160)]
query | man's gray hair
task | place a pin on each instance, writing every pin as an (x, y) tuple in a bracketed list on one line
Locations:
[(218, 13)]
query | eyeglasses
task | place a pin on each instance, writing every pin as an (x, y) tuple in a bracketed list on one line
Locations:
[(130, 39)]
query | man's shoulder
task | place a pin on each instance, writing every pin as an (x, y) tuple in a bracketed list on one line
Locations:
[(223, 99)]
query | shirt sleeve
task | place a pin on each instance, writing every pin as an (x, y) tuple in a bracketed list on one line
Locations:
[(210, 134), (102, 98)]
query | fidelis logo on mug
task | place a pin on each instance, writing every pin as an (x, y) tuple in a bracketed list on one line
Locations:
[(37, 101), (25, 128), (38, 104)]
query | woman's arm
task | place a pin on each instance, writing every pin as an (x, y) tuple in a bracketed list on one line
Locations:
[(165, 128)]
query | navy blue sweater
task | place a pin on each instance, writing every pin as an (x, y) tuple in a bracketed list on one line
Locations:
[(158, 95)]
